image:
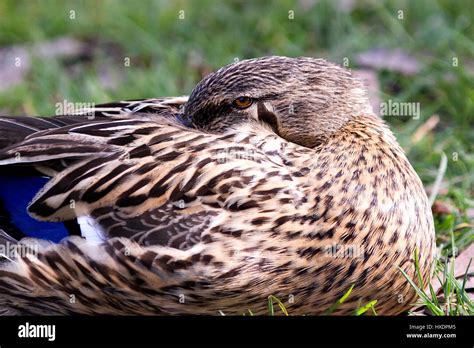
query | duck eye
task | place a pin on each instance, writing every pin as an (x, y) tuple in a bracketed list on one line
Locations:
[(242, 102)]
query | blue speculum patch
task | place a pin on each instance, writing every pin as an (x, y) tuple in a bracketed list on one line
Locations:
[(16, 192)]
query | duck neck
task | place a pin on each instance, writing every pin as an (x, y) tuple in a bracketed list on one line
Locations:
[(361, 160)]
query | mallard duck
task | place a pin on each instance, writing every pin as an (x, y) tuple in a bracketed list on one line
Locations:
[(274, 178)]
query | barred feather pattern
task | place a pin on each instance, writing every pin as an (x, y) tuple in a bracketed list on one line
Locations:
[(13, 129), (199, 223)]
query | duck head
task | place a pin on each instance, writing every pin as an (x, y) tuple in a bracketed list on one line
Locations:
[(303, 100)]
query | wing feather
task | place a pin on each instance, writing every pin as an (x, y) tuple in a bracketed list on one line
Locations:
[(159, 174), (14, 129)]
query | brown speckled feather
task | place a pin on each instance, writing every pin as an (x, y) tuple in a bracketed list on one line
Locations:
[(216, 218), (14, 129)]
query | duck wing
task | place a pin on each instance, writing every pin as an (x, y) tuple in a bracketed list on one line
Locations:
[(14, 129), (170, 202), (164, 107), (155, 182)]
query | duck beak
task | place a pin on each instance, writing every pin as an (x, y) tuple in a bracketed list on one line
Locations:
[(266, 114)]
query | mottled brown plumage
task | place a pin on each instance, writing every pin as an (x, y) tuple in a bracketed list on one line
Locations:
[(277, 179)]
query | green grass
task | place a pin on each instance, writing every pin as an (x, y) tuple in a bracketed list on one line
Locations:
[(168, 55), (360, 310), (453, 300)]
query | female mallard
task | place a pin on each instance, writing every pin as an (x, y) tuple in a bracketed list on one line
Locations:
[(275, 179)]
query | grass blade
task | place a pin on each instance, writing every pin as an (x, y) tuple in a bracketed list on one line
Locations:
[(340, 301), (366, 307), (426, 300), (465, 275), (271, 310)]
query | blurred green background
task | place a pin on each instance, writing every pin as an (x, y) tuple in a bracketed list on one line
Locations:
[(170, 45)]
